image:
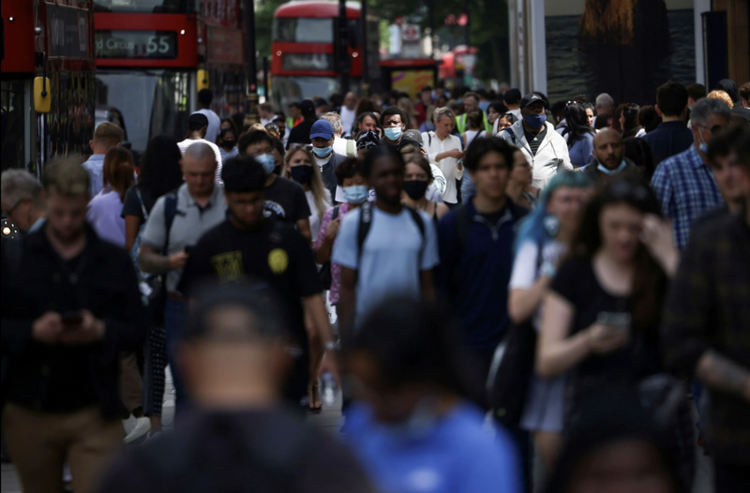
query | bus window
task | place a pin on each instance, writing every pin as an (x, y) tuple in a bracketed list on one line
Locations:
[(303, 30), (147, 6)]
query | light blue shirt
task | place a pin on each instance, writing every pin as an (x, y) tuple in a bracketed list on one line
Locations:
[(104, 215), (388, 265), (455, 454), (95, 166)]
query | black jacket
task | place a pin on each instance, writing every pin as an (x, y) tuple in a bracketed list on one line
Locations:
[(106, 286), (329, 174)]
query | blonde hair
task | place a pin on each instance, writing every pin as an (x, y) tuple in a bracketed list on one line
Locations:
[(320, 193), (257, 126), (721, 96), (66, 176), (608, 21)]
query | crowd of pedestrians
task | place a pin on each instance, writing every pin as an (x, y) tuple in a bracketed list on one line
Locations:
[(488, 278)]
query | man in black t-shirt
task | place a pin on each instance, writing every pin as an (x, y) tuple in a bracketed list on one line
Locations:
[(248, 243), (283, 198)]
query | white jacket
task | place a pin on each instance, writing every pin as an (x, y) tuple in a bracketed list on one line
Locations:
[(551, 157)]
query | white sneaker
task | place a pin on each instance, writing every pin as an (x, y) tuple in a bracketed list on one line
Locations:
[(142, 426)]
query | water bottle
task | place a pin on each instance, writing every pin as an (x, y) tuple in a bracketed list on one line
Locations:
[(328, 388)]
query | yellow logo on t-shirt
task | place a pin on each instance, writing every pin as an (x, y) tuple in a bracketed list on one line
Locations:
[(228, 266), (278, 260)]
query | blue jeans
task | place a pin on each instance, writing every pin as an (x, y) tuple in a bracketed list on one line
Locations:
[(174, 319)]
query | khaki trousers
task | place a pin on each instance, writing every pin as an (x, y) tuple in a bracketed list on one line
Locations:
[(40, 443)]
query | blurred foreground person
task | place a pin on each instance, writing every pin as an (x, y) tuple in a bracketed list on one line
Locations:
[(707, 327), (615, 447), (70, 304), (238, 437), (412, 426)]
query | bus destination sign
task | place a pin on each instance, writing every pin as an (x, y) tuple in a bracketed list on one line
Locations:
[(158, 45)]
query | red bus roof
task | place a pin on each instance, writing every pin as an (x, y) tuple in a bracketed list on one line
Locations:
[(313, 8)]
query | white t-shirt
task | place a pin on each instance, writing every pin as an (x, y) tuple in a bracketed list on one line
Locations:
[(348, 117), (527, 267), (388, 265), (448, 165), (214, 124), (188, 142)]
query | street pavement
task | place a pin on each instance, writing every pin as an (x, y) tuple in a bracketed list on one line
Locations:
[(329, 420)]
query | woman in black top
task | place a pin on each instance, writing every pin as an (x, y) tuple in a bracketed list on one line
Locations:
[(602, 314), (160, 173)]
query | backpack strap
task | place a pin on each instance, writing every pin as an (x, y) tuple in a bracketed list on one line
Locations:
[(365, 222), (170, 211), (143, 206), (512, 135), (463, 223)]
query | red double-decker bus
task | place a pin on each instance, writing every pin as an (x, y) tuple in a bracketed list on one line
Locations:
[(151, 56), (304, 54), (52, 40)]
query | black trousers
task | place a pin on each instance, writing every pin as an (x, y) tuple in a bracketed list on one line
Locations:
[(731, 478)]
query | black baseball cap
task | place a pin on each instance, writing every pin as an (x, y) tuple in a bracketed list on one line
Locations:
[(307, 106), (532, 98), (414, 135)]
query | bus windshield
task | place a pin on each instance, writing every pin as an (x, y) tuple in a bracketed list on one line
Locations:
[(147, 6), (303, 30), (152, 102)]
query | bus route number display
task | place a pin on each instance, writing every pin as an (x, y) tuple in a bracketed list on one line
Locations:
[(136, 44)]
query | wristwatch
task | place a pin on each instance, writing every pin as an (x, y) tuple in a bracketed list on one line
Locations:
[(332, 345)]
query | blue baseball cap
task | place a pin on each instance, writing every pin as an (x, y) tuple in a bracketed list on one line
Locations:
[(321, 129)]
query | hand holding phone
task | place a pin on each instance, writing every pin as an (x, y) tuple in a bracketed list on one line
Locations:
[(71, 318)]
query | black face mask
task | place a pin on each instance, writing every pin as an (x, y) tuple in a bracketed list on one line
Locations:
[(227, 144), (302, 174), (415, 189)]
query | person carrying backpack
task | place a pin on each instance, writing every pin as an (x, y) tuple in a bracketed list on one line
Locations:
[(476, 252), (177, 221), (383, 248)]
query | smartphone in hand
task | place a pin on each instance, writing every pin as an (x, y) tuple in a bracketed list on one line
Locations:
[(618, 320), (71, 318)]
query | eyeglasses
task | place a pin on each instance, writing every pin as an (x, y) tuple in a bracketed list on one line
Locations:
[(9, 212), (714, 130)]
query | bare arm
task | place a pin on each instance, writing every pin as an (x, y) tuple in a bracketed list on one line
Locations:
[(132, 225), (427, 284), (347, 300), (722, 374), (324, 250), (523, 302), (303, 226), (556, 352), (154, 263)]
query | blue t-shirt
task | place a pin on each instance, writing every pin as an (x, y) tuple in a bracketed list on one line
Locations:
[(456, 456), (388, 265)]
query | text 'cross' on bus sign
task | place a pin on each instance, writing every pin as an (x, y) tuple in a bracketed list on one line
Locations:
[(410, 33)]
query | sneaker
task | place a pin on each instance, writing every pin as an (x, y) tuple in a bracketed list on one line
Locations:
[(152, 434), (142, 426)]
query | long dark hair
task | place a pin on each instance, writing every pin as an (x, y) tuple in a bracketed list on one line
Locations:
[(160, 166), (578, 124), (638, 151), (630, 112), (649, 280)]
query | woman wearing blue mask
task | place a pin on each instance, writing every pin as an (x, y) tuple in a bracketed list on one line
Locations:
[(299, 167), (352, 180)]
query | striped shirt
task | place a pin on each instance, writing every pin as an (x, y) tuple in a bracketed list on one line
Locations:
[(686, 189)]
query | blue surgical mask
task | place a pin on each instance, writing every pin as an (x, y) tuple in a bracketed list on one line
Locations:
[(322, 151), (611, 172), (535, 121), (703, 145), (268, 162), (356, 194), (393, 133)]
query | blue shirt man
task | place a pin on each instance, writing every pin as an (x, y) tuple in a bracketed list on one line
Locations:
[(106, 136), (684, 183), (476, 249)]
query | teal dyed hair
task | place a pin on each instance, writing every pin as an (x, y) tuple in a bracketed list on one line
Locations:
[(531, 227)]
